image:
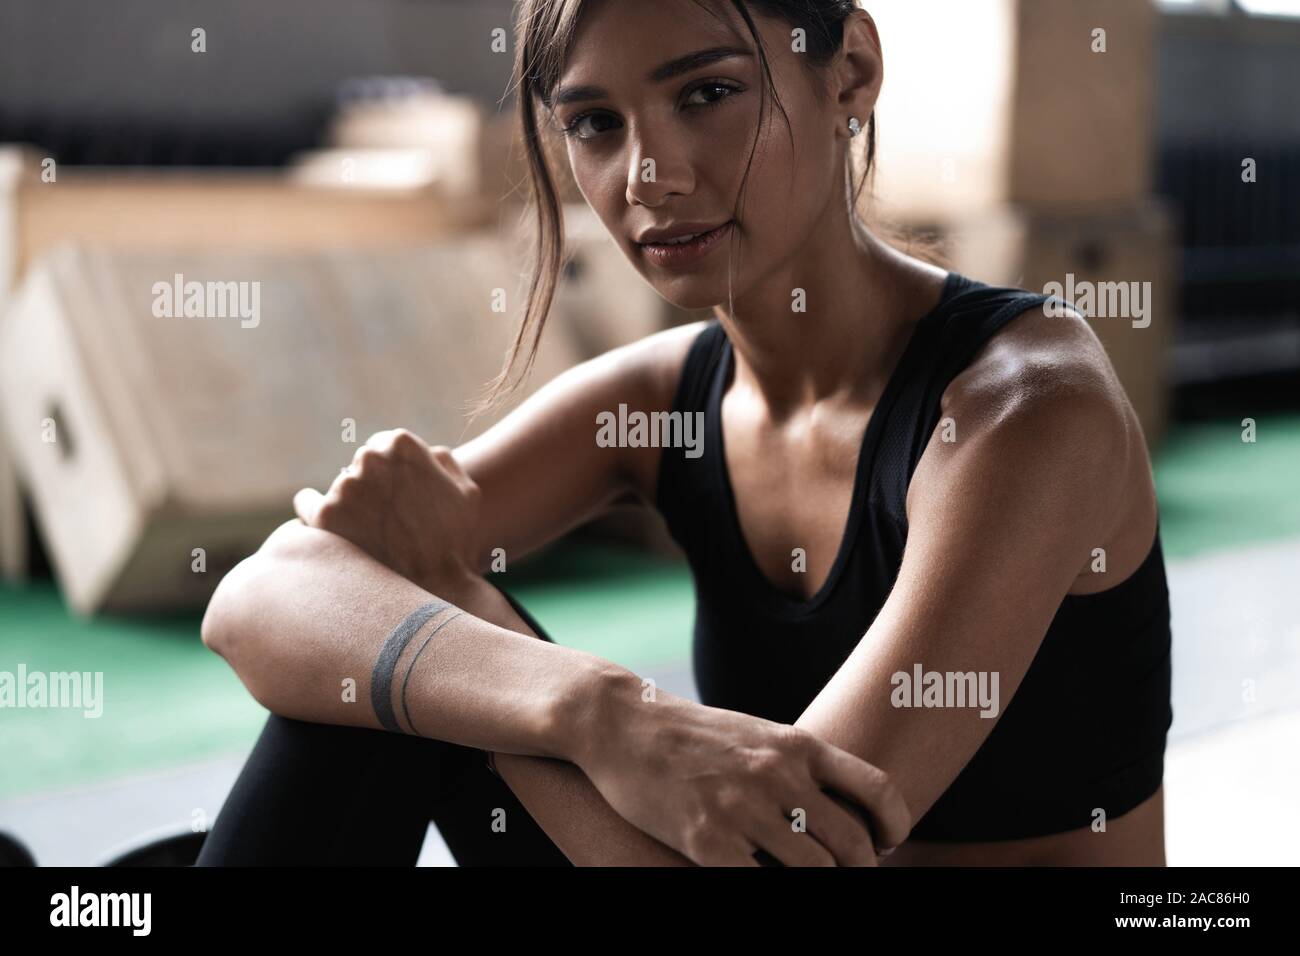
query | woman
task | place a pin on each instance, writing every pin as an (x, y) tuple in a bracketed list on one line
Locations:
[(932, 616)]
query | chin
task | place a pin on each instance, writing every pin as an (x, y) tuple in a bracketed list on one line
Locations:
[(691, 294), (697, 290), (701, 289)]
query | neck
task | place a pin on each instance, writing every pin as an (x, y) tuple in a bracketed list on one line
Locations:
[(859, 297)]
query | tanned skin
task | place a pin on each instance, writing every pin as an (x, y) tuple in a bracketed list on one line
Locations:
[(1050, 463)]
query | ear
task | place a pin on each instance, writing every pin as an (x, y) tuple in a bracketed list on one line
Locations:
[(859, 70)]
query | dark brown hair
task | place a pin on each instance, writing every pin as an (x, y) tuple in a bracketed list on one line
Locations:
[(544, 34)]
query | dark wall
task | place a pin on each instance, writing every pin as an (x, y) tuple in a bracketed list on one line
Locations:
[(122, 72), (280, 62), (264, 56), (1229, 78)]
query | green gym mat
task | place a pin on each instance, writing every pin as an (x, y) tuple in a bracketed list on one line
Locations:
[(167, 700), (1218, 492)]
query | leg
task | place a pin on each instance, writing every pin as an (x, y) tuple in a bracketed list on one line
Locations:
[(317, 794)]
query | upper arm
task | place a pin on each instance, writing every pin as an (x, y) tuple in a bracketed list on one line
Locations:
[(540, 470), (1001, 522)]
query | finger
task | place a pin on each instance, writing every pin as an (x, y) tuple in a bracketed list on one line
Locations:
[(791, 847), (720, 852), (742, 854), (398, 442), (435, 464), (382, 441), (776, 835), (367, 463), (841, 829), (306, 505), (868, 787)]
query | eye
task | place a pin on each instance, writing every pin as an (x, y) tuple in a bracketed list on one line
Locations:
[(586, 126), (577, 130), (712, 88)]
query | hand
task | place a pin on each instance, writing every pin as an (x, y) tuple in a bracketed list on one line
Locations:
[(718, 786), (409, 506)]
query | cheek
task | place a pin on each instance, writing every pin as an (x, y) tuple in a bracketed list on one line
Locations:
[(602, 181), (583, 173), (787, 188)]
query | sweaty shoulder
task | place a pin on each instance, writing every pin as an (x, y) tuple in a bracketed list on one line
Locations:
[(1038, 399), (1046, 371)]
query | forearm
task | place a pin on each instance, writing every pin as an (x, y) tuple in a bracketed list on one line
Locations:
[(303, 623), (571, 811), (563, 800)]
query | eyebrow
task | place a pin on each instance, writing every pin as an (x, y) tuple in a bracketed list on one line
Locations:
[(682, 64)]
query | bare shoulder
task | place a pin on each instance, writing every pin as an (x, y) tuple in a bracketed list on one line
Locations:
[(657, 361), (641, 374), (1039, 405), (1044, 372), (1040, 411)]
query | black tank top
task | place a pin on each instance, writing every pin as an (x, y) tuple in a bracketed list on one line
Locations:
[(1086, 728)]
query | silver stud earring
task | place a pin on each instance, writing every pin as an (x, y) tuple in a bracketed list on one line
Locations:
[(854, 126)]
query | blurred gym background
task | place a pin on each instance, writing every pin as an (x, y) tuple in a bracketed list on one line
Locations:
[(357, 159)]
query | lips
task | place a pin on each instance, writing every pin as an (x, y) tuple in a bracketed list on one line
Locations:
[(680, 247), (678, 242), (677, 233)]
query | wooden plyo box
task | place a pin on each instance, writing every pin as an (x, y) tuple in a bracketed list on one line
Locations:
[(143, 436), (190, 210), (474, 152), (160, 209), (1124, 258), (1008, 101)]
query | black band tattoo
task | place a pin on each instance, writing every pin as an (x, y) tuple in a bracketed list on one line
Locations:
[(381, 680), (411, 666)]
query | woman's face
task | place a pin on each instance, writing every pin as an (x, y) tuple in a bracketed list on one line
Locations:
[(658, 144)]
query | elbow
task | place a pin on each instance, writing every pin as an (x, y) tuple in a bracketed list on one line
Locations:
[(210, 631), (230, 632), (220, 618), (233, 604), (217, 618), (215, 629)]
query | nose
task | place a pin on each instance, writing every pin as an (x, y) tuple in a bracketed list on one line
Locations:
[(656, 169)]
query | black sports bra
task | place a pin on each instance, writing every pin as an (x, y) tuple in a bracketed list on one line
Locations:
[(1086, 729)]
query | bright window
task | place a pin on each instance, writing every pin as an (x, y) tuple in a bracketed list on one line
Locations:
[(1271, 8)]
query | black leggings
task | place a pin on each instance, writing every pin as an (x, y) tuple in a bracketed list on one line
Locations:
[(324, 795)]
